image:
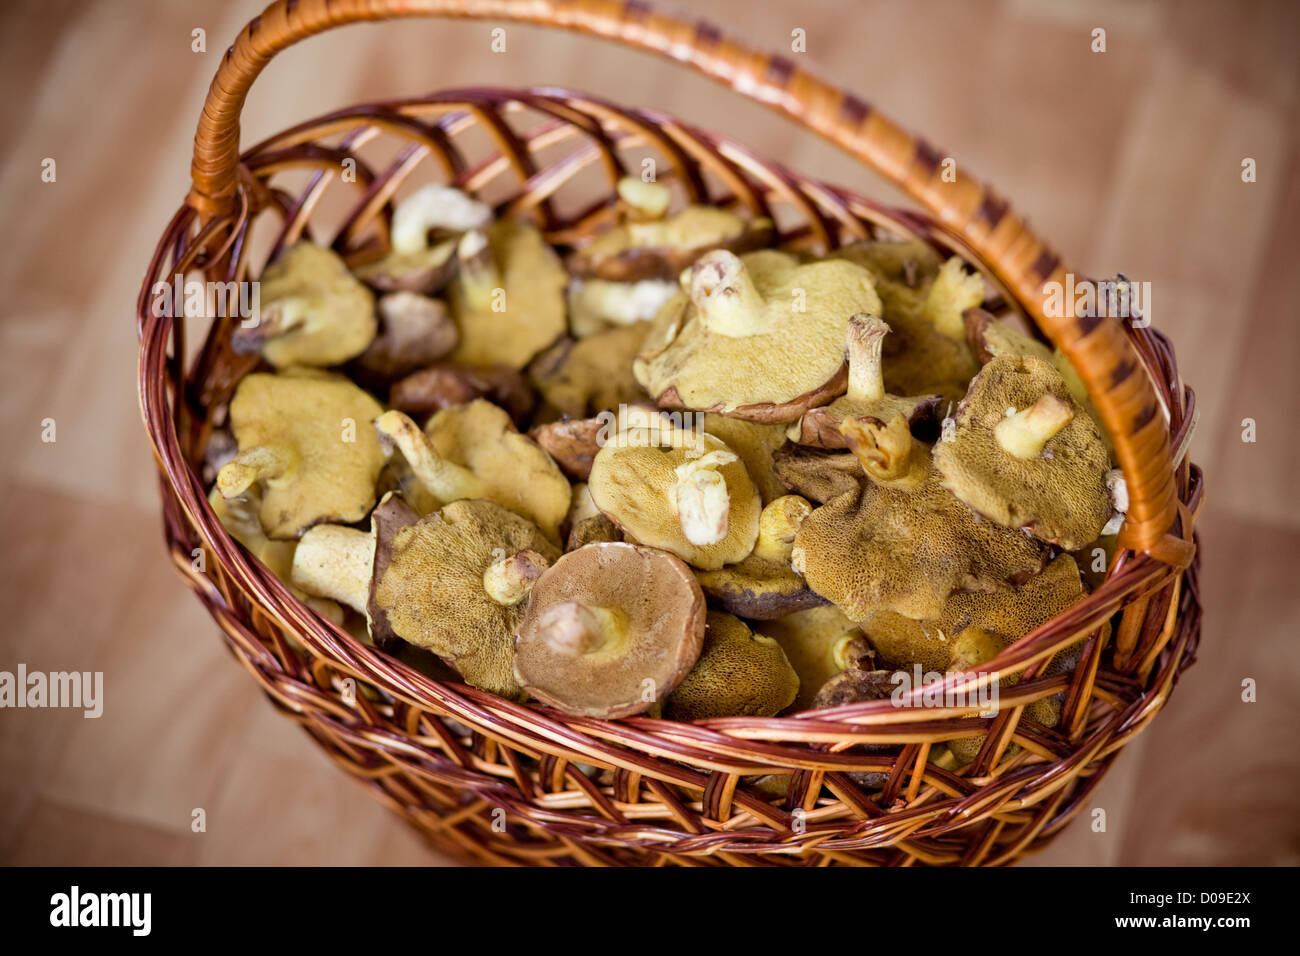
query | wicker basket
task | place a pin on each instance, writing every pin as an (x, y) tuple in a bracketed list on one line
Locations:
[(501, 782)]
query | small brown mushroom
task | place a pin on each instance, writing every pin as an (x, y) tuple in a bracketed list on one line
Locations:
[(679, 490), (473, 451), (416, 261), (1021, 455), (738, 674), (312, 311), (305, 439), (573, 444), (648, 244), (764, 585), (440, 386), (816, 474), (866, 398), (508, 297), (581, 378), (414, 331), (854, 685), (760, 338), (610, 630), (435, 591)]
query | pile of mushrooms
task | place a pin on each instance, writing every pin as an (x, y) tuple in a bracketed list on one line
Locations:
[(676, 471)]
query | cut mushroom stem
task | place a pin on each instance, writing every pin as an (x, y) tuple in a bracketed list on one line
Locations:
[(434, 207), (479, 275), (1024, 433), (445, 480), (724, 293), (701, 498), (264, 463), (573, 629), (509, 580), (777, 526), (336, 562), (645, 201), (887, 452), (866, 334)]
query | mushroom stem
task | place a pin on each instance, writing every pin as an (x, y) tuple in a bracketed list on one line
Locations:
[(645, 201), (777, 526), (724, 293), (431, 207), (336, 562), (887, 452), (701, 498), (509, 580), (480, 276), (445, 480), (574, 629), (865, 336), (1024, 433), (265, 463)]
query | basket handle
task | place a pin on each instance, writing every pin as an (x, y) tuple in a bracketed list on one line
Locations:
[(1100, 350)]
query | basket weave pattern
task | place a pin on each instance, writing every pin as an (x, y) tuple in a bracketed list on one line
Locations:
[(508, 783)]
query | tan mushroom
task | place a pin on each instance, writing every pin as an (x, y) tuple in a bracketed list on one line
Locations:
[(414, 331), (755, 443), (312, 311), (586, 523), (610, 630), (426, 227), (764, 585), (435, 591), (473, 451), (679, 490), (306, 440), (649, 244), (581, 378), (1021, 454), (760, 338), (508, 297), (819, 643), (738, 674)]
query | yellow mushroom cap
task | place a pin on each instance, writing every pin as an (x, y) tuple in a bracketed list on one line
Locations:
[(307, 440), (1058, 494), (738, 674), (433, 592), (659, 485), (590, 375), (312, 311), (610, 630), (509, 300), (759, 337), (819, 643)]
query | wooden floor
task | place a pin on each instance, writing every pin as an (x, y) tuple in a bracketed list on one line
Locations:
[(1129, 160)]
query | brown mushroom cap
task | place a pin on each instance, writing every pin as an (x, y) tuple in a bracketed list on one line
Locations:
[(737, 344), (591, 375), (312, 311), (307, 440), (855, 685), (681, 491), (817, 474), (819, 643), (440, 386), (738, 674), (508, 298), (414, 331), (610, 629), (573, 443), (1042, 469), (434, 596), (891, 549)]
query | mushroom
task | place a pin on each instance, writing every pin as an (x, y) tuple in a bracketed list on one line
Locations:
[(435, 588), (1020, 454), (816, 474), (953, 291), (414, 263), (755, 443), (440, 386), (887, 451), (738, 674), (819, 643), (582, 378), (414, 331), (586, 523), (596, 305), (650, 245), (573, 443), (678, 490), (304, 438), (906, 550), (856, 684), (345, 564), (474, 451), (508, 297), (866, 398), (764, 585), (760, 338), (312, 311), (610, 629)]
